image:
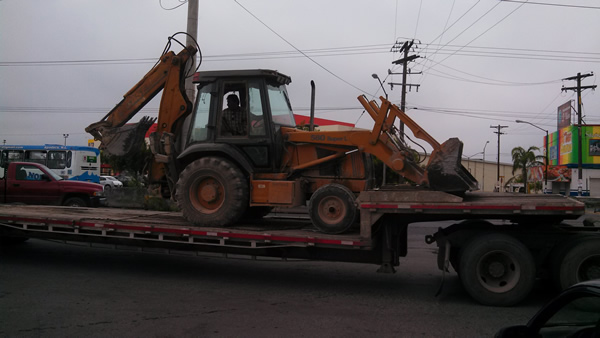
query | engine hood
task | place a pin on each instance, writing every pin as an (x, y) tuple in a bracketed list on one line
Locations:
[(80, 185)]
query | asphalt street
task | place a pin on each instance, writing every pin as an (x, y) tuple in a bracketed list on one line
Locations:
[(50, 289)]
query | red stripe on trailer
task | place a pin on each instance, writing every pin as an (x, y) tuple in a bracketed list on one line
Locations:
[(576, 208), (463, 207), (379, 206), (36, 220), (442, 207)]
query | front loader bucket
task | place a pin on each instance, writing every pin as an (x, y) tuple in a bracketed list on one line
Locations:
[(125, 140), (445, 171)]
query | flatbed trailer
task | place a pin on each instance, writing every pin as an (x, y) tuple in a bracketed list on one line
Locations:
[(499, 246)]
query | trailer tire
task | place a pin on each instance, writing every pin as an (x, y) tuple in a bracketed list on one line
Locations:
[(556, 257), (212, 191), (580, 263), (497, 269), (332, 209), (75, 202)]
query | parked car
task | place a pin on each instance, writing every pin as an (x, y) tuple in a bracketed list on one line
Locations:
[(109, 182), (125, 179), (574, 313), (34, 183)]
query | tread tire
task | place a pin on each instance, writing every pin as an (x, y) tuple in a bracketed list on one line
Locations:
[(212, 191), (332, 209), (580, 263), (497, 269), (76, 202)]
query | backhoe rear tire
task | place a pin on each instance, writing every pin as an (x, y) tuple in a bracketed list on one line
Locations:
[(332, 209), (212, 191)]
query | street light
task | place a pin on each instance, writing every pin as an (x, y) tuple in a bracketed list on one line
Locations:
[(546, 155), (380, 83), (65, 136), (375, 76)]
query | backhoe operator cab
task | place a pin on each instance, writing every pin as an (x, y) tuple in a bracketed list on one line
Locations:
[(250, 134), (229, 147)]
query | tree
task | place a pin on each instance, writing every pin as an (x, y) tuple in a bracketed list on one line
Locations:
[(524, 159)]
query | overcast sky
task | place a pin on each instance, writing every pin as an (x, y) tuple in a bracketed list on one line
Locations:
[(65, 64)]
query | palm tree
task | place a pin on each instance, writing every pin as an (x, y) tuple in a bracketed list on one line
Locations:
[(524, 159)]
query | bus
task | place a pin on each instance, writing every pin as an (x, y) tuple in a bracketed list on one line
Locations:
[(70, 162)]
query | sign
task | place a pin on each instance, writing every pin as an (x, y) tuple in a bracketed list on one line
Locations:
[(535, 174), (559, 173), (594, 147), (564, 115)]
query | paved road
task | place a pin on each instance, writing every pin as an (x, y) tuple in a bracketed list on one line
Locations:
[(57, 290)]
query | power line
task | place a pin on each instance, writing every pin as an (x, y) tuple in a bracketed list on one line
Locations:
[(446, 29), (551, 4), (478, 36), (301, 52), (182, 2), (475, 51), (506, 84)]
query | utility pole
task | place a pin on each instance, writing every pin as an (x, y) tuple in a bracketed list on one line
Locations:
[(192, 30), (499, 132), (579, 88), (405, 48)]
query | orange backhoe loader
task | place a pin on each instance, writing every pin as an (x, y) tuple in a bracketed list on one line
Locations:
[(222, 163)]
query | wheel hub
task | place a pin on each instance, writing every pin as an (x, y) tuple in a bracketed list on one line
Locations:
[(208, 193), (496, 269), (590, 268), (331, 210)]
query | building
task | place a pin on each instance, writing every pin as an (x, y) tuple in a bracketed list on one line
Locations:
[(563, 161)]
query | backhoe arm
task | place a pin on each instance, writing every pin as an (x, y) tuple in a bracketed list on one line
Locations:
[(118, 138), (444, 171)]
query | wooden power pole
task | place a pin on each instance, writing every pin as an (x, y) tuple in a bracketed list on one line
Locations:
[(499, 132), (192, 30), (579, 88)]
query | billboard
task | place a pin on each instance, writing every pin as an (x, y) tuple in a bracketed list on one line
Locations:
[(559, 173), (594, 147), (564, 115), (564, 146)]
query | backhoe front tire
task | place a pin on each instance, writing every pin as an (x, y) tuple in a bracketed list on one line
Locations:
[(212, 191)]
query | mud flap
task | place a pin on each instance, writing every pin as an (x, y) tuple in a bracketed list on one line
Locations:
[(127, 139), (445, 171)]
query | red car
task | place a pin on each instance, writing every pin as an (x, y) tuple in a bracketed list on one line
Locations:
[(34, 183)]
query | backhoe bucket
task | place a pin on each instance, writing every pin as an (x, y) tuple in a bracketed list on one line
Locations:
[(445, 171), (125, 140)]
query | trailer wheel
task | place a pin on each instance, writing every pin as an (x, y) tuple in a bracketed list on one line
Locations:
[(75, 202), (331, 209), (557, 256), (497, 269), (212, 191), (581, 262)]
